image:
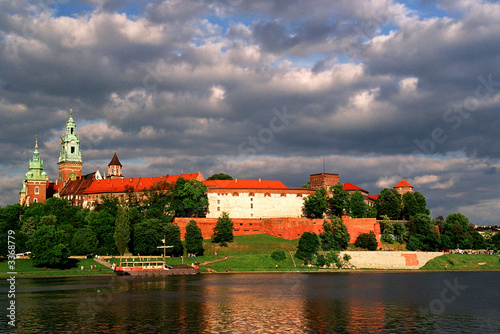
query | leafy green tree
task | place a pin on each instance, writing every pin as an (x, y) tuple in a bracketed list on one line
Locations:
[(413, 204), (103, 225), (495, 241), (335, 235), (220, 176), (339, 202), (48, 220), (122, 230), (194, 238), (389, 204), (84, 242), (29, 226), (315, 205), (65, 213), (108, 204), (388, 230), (399, 231), (357, 205), (456, 231), (158, 202), (189, 198), (371, 212), (48, 248), (147, 237), (223, 230), (173, 238), (367, 241), (423, 234), (308, 246), (306, 185)]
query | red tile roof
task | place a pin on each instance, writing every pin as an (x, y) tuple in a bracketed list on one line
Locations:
[(374, 197), (403, 183), (244, 184), (351, 187)]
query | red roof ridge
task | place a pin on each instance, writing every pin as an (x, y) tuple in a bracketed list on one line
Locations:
[(403, 183)]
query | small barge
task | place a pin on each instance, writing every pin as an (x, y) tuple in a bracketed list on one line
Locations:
[(154, 268)]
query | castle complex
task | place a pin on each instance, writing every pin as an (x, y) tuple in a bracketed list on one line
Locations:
[(242, 199)]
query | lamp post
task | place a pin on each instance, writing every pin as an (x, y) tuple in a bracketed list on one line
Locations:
[(164, 247)]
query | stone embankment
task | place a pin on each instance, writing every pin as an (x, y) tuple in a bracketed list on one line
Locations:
[(390, 260)]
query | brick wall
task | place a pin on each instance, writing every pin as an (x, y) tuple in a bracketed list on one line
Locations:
[(286, 228)]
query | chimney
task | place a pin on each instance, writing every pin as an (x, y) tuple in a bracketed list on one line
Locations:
[(236, 180), (259, 180)]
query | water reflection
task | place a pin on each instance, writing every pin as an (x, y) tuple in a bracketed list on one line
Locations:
[(269, 303)]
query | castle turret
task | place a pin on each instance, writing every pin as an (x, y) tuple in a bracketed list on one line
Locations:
[(70, 158), (115, 168), (35, 182)]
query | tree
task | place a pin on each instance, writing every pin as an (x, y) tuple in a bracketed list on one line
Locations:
[(389, 204), (335, 235), (223, 230), (357, 205), (84, 242), (158, 203), (306, 185), (399, 231), (367, 241), (388, 230), (456, 231), (315, 205), (413, 204), (220, 176), (308, 246), (173, 238), (423, 234), (122, 230), (495, 241), (339, 202), (194, 238), (147, 237), (189, 198), (48, 248), (103, 224), (278, 255)]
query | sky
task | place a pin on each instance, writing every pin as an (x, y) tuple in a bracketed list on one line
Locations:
[(374, 91)]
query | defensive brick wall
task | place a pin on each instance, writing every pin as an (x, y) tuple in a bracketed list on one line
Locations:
[(286, 228)]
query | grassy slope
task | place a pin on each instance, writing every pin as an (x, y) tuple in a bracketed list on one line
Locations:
[(24, 268), (251, 244), (463, 262)]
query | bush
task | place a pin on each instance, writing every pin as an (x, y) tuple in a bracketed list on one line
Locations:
[(367, 241), (347, 257), (278, 255), (320, 260), (332, 257)]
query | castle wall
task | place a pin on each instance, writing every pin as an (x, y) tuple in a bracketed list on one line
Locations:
[(286, 228), (252, 203)]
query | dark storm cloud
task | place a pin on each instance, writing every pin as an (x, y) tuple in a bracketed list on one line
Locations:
[(260, 89)]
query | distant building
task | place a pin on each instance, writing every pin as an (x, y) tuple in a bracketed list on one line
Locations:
[(403, 187)]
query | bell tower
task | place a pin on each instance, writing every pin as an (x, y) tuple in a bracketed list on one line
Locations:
[(36, 180), (115, 168), (70, 158)]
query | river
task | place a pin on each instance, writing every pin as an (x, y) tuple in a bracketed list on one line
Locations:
[(352, 302)]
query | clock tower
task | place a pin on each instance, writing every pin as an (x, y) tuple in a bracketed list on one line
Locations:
[(70, 158)]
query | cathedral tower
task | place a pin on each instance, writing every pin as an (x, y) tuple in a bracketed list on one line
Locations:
[(115, 168), (70, 159), (36, 181)]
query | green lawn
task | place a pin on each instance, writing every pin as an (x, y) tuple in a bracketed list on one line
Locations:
[(24, 268), (257, 262), (250, 245), (463, 262)]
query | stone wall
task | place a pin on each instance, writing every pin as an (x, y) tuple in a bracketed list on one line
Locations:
[(390, 260)]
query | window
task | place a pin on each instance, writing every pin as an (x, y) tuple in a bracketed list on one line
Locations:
[(251, 206), (37, 190), (72, 149), (218, 208), (35, 200), (218, 201), (72, 130)]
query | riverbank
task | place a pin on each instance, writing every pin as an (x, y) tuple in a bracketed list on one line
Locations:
[(257, 263)]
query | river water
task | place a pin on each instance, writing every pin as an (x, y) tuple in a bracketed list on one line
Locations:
[(353, 302)]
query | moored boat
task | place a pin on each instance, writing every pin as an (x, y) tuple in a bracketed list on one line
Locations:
[(154, 268)]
